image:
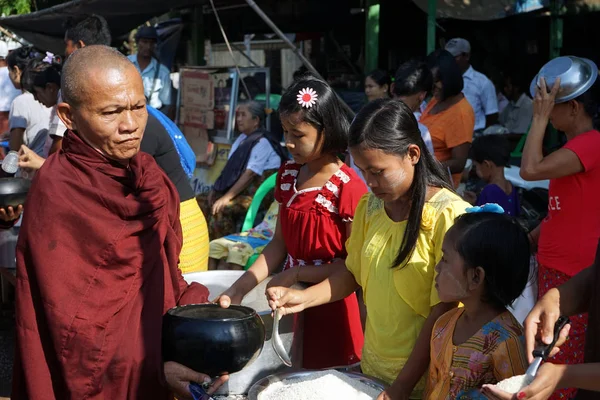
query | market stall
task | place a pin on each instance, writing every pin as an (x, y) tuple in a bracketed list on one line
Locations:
[(206, 112)]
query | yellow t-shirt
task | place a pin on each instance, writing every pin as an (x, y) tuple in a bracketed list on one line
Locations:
[(398, 300)]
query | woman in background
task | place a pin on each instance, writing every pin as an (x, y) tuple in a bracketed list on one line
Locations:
[(449, 116), (254, 156), (377, 85)]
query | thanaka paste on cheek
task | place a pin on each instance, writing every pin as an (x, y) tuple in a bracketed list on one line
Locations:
[(450, 286), (395, 178)]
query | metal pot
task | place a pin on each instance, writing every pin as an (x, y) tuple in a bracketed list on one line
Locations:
[(576, 75), (290, 331), (13, 191), (211, 339), (264, 383)]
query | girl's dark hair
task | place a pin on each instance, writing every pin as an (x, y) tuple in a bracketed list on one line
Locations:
[(591, 103), (380, 77), (327, 115), (446, 70), (498, 244), (21, 56), (390, 126), (411, 78), (494, 148), (39, 73)]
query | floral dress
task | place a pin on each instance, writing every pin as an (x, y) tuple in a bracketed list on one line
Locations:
[(313, 222), (494, 353)]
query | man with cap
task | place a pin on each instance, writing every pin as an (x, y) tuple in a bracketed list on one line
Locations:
[(7, 89), (156, 77), (478, 88)]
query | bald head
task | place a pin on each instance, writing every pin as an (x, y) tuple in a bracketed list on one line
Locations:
[(85, 63), (103, 101)]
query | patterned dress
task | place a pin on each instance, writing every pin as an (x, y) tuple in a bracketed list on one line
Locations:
[(313, 222), (494, 353)]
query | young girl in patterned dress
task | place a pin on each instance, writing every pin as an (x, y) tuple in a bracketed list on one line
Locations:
[(485, 265), (318, 194)]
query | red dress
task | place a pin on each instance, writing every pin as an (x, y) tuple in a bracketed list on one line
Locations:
[(313, 223)]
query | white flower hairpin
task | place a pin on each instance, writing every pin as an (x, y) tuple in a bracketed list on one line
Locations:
[(307, 97)]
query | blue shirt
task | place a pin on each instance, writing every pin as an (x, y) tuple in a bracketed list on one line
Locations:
[(157, 91), (494, 194)]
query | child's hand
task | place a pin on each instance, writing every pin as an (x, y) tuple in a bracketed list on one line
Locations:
[(289, 301), (286, 278), (392, 394), (546, 382), (229, 297)]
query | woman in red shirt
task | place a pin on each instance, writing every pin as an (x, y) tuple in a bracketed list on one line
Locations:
[(568, 236)]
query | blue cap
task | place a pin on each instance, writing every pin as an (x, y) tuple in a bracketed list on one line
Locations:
[(147, 32)]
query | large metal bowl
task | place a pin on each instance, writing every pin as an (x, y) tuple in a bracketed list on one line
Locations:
[(262, 385), (576, 75), (13, 191)]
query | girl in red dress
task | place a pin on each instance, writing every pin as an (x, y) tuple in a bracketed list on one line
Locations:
[(317, 194)]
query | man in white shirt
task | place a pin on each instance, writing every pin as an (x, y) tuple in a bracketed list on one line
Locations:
[(478, 88), (156, 77), (8, 92), (517, 115)]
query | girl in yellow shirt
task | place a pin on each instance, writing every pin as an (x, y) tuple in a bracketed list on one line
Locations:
[(395, 243)]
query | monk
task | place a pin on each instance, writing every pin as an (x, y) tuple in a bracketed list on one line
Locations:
[(98, 250)]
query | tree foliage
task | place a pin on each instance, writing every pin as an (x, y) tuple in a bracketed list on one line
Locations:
[(12, 7)]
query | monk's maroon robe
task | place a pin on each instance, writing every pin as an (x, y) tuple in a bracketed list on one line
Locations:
[(96, 270)]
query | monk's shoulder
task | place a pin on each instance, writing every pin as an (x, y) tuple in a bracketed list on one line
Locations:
[(54, 181)]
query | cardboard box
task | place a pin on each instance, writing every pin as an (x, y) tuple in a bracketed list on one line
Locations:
[(197, 138), (197, 117), (197, 90)]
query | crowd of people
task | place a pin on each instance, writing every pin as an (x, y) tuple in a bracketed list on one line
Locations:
[(405, 276)]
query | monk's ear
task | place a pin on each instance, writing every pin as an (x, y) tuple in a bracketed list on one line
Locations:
[(65, 113)]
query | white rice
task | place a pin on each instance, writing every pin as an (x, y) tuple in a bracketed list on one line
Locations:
[(514, 384), (320, 385)]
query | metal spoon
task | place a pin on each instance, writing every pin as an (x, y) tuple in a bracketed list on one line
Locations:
[(277, 343)]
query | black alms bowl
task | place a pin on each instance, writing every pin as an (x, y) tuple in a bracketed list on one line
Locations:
[(13, 191), (212, 340)]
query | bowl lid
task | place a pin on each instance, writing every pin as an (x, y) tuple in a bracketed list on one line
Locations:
[(583, 70)]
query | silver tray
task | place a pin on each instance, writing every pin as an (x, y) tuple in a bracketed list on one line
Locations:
[(261, 385)]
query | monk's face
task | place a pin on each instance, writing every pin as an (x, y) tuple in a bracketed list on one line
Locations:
[(111, 115)]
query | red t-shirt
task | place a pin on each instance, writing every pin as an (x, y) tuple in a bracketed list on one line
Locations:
[(569, 234)]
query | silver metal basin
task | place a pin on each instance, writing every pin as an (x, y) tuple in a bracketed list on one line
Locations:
[(576, 75)]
